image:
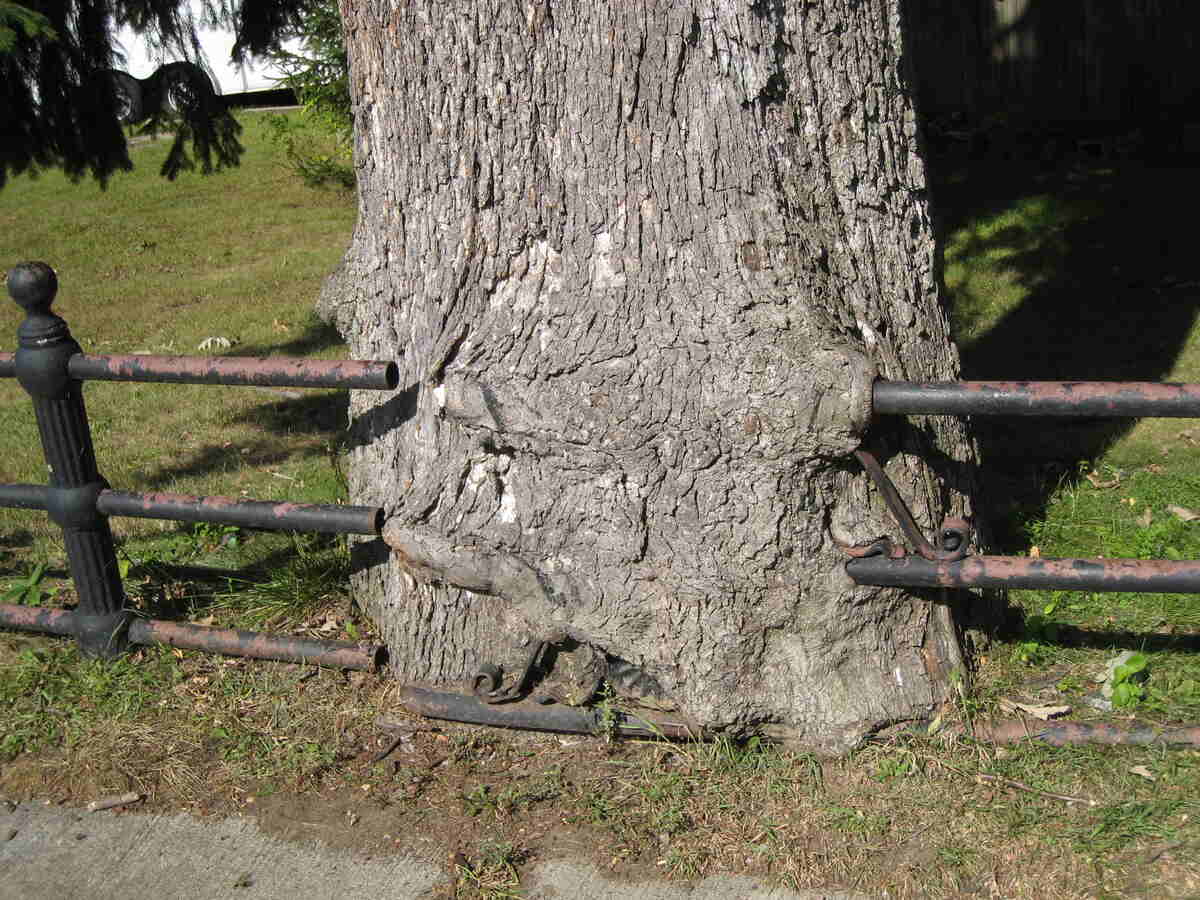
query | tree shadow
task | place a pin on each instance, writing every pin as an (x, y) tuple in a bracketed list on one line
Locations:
[(323, 413), (1095, 639), (220, 458), (157, 580), (316, 337), (309, 413), (1046, 63), (13, 563), (1111, 293)]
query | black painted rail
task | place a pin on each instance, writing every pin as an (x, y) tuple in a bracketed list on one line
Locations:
[(51, 367)]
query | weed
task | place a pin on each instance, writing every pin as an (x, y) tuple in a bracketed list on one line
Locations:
[(322, 157), (1040, 632), (29, 591), (955, 855), (478, 800), (491, 873), (607, 714), (1127, 678), (210, 536), (897, 765), (856, 822), (1115, 826)]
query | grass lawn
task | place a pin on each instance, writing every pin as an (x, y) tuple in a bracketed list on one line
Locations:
[(1083, 273), (148, 265)]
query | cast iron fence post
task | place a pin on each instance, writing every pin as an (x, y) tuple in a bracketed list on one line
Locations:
[(45, 347)]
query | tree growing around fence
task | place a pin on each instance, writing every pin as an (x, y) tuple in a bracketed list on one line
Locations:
[(642, 261), (639, 264)]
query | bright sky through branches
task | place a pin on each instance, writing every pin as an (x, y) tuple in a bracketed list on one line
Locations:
[(217, 45)]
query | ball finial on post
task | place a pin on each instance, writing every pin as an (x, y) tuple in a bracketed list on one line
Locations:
[(32, 285)]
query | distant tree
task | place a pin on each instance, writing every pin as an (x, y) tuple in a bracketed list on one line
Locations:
[(318, 72), (320, 146)]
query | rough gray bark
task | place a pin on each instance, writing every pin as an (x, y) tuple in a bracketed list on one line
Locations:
[(640, 262)]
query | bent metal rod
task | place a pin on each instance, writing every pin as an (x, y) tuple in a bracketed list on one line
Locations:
[(885, 565)]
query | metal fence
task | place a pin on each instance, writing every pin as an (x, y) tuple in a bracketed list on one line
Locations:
[(946, 564), (51, 367)]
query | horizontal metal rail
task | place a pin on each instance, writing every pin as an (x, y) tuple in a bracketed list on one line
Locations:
[(267, 371), (1147, 576), (1092, 399), (533, 717), (272, 516), (267, 515), (23, 496), (232, 642)]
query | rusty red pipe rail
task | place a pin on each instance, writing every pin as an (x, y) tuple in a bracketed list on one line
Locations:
[(264, 514), (532, 717), (269, 515), (257, 644), (38, 618), (1149, 576), (231, 642), (232, 370), (1092, 399), (266, 371)]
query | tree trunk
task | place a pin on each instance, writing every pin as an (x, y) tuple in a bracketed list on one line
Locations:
[(639, 263)]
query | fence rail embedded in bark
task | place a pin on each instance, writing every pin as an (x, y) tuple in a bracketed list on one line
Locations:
[(949, 565), (51, 367)]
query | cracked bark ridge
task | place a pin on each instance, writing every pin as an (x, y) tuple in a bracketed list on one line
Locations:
[(643, 261)]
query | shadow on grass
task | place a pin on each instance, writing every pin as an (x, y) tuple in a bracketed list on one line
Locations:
[(158, 581), (1074, 636), (1109, 282), (316, 337), (310, 413), (327, 413), (14, 563), (218, 458)]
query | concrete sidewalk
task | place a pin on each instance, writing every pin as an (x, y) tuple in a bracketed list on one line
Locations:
[(51, 853)]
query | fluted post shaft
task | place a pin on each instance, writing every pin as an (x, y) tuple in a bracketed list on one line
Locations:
[(45, 347)]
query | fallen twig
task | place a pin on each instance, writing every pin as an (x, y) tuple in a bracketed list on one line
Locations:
[(1155, 852), (1021, 786), (389, 749), (1012, 783), (114, 801)]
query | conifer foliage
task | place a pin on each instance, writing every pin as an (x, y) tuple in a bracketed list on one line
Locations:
[(59, 107)]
